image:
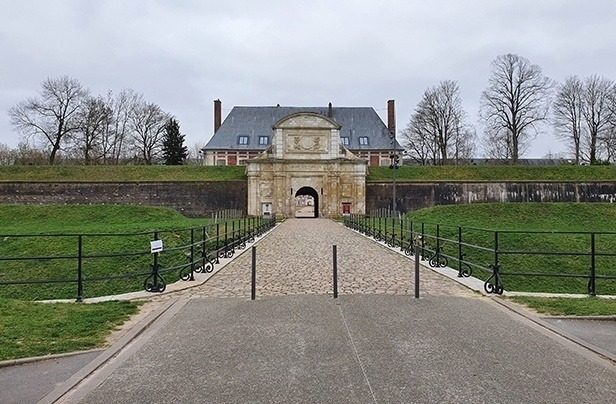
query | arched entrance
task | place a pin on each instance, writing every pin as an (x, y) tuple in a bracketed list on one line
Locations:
[(306, 202)]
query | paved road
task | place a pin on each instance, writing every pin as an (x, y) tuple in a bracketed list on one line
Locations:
[(296, 258), (29, 382), (356, 349), (601, 333)]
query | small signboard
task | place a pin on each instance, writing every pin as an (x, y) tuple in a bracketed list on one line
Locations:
[(156, 246)]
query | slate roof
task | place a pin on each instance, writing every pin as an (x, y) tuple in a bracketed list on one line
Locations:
[(253, 122)]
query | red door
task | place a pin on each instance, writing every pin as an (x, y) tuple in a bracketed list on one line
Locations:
[(346, 208), (374, 160), (232, 160)]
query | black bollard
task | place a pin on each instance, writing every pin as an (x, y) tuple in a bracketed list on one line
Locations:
[(335, 252), (253, 291)]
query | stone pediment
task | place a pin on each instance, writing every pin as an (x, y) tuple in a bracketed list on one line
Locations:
[(306, 120)]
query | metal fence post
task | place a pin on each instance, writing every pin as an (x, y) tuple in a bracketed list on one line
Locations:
[(416, 268), (438, 245), (79, 269), (423, 240), (192, 254), (217, 241), (460, 252), (496, 249), (591, 283), (204, 248)]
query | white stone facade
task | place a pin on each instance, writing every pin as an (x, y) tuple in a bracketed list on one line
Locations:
[(306, 158)]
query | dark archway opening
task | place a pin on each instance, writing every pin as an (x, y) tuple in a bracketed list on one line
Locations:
[(306, 202)]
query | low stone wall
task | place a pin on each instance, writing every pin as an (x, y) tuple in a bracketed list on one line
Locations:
[(193, 199), (416, 195)]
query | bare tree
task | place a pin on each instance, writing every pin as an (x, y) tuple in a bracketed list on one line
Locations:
[(116, 141), (7, 155), (195, 153), (597, 115), (463, 145), (418, 143), (52, 115), (610, 139), (437, 130), (30, 154), (516, 100), (148, 126), (567, 111), (94, 119)]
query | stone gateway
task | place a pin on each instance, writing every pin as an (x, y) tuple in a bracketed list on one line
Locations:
[(306, 169)]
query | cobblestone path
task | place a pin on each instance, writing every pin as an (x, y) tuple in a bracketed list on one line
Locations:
[(296, 258)]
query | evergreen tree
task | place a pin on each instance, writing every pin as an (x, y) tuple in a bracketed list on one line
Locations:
[(174, 151)]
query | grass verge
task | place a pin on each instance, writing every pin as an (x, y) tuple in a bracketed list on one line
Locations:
[(30, 329), (589, 306), (128, 173)]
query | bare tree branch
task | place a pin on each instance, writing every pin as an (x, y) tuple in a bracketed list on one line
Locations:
[(516, 100)]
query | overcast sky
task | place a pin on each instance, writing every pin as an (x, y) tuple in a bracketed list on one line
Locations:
[(183, 55)]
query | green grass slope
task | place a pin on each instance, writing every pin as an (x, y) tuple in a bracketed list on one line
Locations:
[(35, 234), (493, 173), (126, 173), (532, 227)]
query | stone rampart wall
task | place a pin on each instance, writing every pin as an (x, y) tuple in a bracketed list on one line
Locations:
[(193, 199), (199, 199), (417, 195)]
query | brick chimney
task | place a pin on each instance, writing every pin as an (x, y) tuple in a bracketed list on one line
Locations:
[(217, 115), (391, 116), (330, 111)]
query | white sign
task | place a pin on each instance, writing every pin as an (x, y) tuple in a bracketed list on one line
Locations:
[(156, 246)]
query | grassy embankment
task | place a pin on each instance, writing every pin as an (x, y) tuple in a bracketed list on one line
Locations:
[(376, 174), (31, 329), (551, 217), (128, 173), (493, 173), (108, 230)]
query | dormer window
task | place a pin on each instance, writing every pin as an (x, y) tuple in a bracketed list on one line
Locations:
[(363, 141), (344, 140), (263, 140), (243, 140)]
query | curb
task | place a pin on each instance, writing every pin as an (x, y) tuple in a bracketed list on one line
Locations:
[(544, 324), (24, 361), (109, 353)]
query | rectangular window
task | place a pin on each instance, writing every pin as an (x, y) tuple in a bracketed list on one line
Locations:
[(363, 141), (221, 162), (263, 140), (242, 140), (345, 140)]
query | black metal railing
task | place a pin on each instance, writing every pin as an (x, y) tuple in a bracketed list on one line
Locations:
[(520, 258), (61, 266)]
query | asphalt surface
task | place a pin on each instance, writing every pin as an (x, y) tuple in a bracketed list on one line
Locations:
[(600, 333), (29, 382), (355, 349)]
